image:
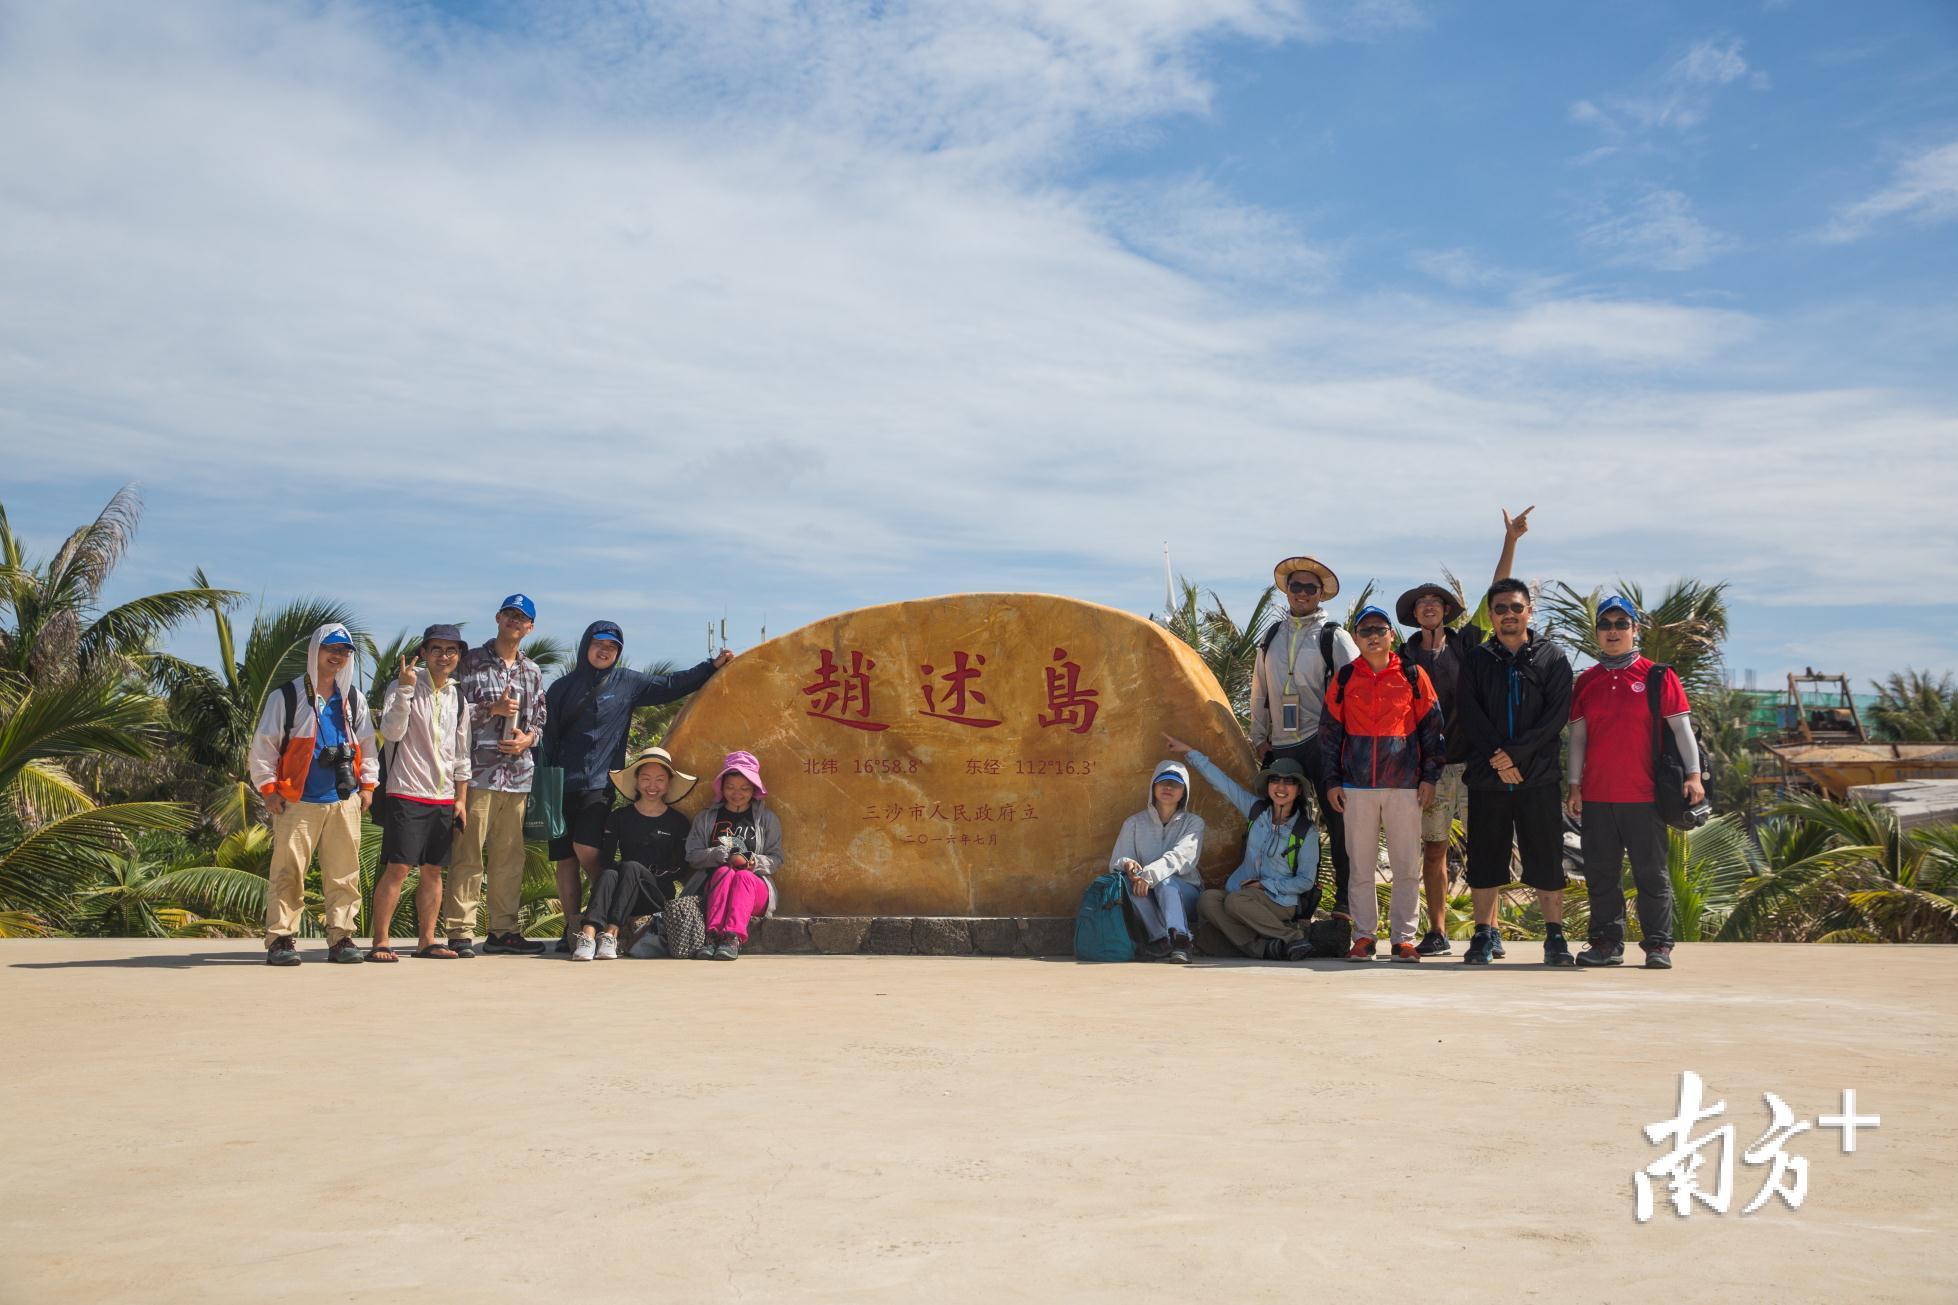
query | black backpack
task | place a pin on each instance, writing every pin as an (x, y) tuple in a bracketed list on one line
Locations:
[(289, 692), (1668, 767)]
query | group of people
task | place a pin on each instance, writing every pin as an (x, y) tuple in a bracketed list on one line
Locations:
[(465, 730), (1363, 735), (1398, 737)]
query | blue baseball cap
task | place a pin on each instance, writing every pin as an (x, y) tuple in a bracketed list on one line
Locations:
[(1380, 612), (609, 633), (521, 602), (1618, 603), (1169, 775), (333, 637)]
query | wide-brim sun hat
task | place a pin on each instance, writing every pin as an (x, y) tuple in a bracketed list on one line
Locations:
[(626, 779), (1283, 768), (1451, 606), (1284, 571)]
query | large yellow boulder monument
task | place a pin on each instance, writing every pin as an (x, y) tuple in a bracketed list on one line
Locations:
[(971, 755)]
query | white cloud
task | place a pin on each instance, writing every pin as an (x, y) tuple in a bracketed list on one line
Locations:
[(1924, 190), (252, 256), (1660, 230), (1675, 96)]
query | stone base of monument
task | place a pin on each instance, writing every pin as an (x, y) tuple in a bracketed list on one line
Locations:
[(914, 935)]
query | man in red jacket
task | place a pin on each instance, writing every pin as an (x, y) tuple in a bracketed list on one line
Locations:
[(1380, 734)]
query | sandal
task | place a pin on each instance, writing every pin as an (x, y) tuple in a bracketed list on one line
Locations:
[(436, 952), (383, 955)]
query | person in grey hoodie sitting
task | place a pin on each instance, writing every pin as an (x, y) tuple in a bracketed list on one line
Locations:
[(1264, 906), (1157, 849)]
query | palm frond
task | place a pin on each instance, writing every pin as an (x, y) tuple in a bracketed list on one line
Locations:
[(216, 890), (41, 868)]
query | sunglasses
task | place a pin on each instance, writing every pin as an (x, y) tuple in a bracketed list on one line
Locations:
[(1505, 609), (1303, 587), (1372, 631), (1620, 624)]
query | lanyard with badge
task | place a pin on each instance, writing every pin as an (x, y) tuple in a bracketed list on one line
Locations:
[(1288, 700)]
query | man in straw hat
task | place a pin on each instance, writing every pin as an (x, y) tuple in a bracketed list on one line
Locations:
[(642, 854), (1299, 655), (1440, 642)]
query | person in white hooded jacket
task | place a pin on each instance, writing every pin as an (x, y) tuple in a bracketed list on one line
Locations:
[(312, 758), (1157, 849)]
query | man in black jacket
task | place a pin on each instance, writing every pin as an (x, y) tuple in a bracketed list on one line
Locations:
[(1514, 698)]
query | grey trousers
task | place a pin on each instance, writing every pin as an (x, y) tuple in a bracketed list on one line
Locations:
[(1611, 832)]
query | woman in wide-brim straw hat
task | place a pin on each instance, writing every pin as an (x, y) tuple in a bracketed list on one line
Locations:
[(642, 852), (738, 841)]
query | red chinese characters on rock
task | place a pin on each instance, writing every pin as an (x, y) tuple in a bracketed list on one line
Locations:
[(843, 698), (957, 700), (1068, 704)]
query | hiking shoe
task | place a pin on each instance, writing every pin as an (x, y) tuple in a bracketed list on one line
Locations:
[(512, 944), (1659, 958), (1600, 953), (1434, 943), (1362, 950), (1556, 950), (727, 949), (346, 952), (1481, 948), (1496, 949), (1178, 955), (464, 948), (584, 949), (1407, 953), (608, 947), (283, 951), (1299, 951)]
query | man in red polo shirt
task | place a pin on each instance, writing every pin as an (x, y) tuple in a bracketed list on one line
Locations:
[(1611, 788)]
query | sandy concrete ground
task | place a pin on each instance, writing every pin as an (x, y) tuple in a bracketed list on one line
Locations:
[(183, 1124)]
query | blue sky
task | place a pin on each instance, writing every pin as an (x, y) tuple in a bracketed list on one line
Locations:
[(659, 311)]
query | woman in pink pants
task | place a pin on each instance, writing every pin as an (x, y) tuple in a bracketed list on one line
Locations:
[(738, 842)]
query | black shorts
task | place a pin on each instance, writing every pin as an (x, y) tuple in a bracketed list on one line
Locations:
[(417, 833), (1533, 818), (584, 820)]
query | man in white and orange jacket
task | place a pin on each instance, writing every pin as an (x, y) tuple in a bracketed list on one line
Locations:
[(313, 760)]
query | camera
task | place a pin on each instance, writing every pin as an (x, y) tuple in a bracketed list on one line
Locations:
[(341, 757), (1699, 813)]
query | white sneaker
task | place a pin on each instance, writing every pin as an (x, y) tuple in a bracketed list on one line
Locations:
[(587, 947), (608, 947)]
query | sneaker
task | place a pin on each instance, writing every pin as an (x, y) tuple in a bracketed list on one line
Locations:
[(1178, 955), (1600, 953), (1434, 943), (708, 948), (728, 949), (1362, 950), (512, 944), (1496, 949), (563, 946), (1299, 951), (464, 948), (346, 952), (608, 947), (1407, 953), (283, 951), (584, 949), (1556, 950), (1659, 958), (1481, 948)]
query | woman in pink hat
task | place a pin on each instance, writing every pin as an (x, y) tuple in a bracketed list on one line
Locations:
[(738, 841)]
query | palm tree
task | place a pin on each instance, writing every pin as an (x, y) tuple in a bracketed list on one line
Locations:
[(1911, 705), (1849, 873), (215, 712), (57, 629), (1684, 629), (1229, 649), (53, 836)]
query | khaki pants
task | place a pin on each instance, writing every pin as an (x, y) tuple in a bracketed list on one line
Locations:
[(333, 829), (495, 834), (1398, 811), (1247, 918)]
